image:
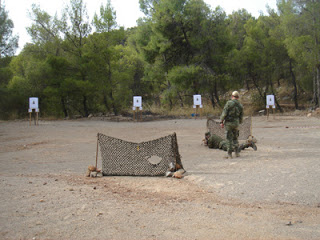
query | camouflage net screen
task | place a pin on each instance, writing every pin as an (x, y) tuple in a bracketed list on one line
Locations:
[(124, 158), (213, 126)]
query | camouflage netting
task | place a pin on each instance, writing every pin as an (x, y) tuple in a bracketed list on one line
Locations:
[(124, 158), (213, 126)]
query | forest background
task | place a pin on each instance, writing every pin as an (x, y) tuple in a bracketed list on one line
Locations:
[(78, 66)]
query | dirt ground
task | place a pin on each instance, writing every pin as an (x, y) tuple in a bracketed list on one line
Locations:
[(272, 193)]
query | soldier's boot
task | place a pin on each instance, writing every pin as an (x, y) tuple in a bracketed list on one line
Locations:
[(242, 147), (237, 151), (254, 146), (229, 155)]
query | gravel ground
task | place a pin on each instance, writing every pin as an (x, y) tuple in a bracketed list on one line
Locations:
[(272, 193)]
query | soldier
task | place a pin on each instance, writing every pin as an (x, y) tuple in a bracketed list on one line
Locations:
[(231, 117), (217, 142)]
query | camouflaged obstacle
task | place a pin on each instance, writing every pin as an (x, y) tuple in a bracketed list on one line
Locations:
[(125, 158), (245, 129)]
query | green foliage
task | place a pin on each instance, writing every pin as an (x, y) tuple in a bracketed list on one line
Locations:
[(107, 19), (300, 21), (180, 48), (8, 43)]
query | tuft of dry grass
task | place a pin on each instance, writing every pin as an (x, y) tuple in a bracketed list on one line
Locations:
[(186, 111)]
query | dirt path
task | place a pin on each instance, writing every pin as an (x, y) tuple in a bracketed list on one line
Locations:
[(273, 193)]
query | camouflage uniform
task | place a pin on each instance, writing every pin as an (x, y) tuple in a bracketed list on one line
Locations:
[(232, 116), (217, 142)]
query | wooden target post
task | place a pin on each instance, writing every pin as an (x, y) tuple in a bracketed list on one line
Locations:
[(197, 105), (34, 105), (137, 114), (270, 104), (137, 108)]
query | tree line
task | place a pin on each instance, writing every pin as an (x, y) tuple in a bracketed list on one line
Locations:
[(82, 66)]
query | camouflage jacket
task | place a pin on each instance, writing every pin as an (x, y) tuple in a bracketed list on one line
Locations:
[(214, 141), (232, 112)]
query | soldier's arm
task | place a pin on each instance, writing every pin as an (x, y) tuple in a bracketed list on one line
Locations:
[(224, 112)]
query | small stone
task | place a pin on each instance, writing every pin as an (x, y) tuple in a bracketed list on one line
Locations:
[(181, 170), (177, 175), (94, 188), (309, 115), (45, 183), (41, 200), (169, 174), (71, 189), (93, 174), (289, 223), (92, 168)]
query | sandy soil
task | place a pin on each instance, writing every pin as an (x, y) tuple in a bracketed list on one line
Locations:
[(272, 193)]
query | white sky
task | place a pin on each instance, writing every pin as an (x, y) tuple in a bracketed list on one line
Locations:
[(127, 11)]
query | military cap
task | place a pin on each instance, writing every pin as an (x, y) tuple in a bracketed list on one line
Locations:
[(235, 94)]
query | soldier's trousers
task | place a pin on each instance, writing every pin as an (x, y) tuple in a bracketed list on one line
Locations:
[(232, 134)]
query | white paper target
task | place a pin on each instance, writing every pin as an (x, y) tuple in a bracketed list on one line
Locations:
[(270, 101), (33, 103), (137, 101), (197, 100)]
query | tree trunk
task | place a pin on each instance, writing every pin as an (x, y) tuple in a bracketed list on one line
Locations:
[(247, 84), (171, 103), (85, 107), (257, 87), (275, 96), (212, 99), (294, 83), (64, 108), (276, 101), (105, 102), (318, 85), (114, 107), (216, 95), (315, 89), (181, 100)]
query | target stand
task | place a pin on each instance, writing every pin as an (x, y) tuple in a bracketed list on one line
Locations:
[(270, 104), (137, 108), (197, 105), (34, 105), (137, 114)]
